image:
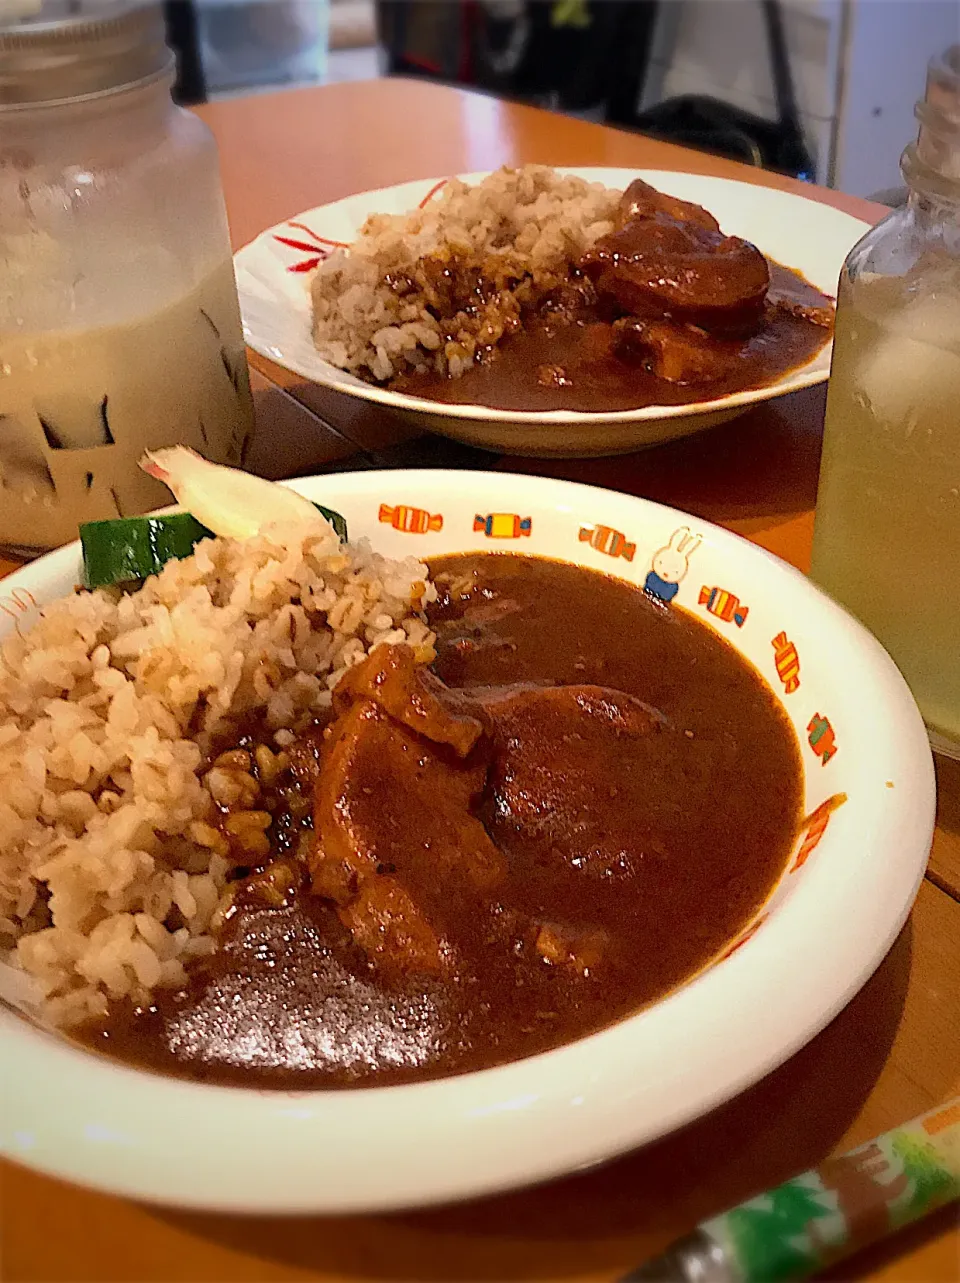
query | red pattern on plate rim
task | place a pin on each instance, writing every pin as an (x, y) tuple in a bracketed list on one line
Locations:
[(437, 187), (318, 248), (750, 932), (17, 604)]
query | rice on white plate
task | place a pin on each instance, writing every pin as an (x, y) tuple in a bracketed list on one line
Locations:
[(403, 296), (119, 826)]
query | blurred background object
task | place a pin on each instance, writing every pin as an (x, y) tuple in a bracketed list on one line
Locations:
[(229, 46), (820, 87), (183, 37), (353, 50), (712, 124), (234, 46), (256, 44), (11, 10)]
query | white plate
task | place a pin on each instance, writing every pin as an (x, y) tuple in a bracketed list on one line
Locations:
[(835, 912), (273, 276)]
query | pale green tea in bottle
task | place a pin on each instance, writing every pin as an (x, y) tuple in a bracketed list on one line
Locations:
[(887, 533)]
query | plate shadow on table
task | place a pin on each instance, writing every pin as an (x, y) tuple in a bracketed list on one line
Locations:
[(288, 439), (944, 867), (948, 793), (600, 1222), (763, 464)]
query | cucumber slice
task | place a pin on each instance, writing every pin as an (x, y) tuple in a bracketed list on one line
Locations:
[(336, 519), (133, 548)]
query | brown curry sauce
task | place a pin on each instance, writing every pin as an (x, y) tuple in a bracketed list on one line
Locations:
[(568, 362), (691, 834)]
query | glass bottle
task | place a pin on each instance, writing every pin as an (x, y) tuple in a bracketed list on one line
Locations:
[(119, 322), (887, 532)]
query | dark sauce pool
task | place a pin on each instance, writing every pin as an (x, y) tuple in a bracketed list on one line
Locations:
[(691, 833)]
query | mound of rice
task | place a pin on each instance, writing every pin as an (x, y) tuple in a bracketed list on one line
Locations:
[(425, 290), (112, 877)]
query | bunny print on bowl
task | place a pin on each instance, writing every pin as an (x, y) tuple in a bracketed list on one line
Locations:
[(670, 564)]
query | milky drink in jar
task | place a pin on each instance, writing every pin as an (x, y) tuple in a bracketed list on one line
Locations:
[(119, 322)]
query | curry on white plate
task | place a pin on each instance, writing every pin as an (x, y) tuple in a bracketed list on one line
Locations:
[(553, 312), (479, 798), (536, 291)]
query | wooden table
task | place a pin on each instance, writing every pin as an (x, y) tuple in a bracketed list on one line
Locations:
[(894, 1052)]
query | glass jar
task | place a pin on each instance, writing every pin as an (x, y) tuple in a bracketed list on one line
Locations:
[(119, 322), (887, 531)]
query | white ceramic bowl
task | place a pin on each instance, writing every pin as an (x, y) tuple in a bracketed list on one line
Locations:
[(274, 298), (822, 933)]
